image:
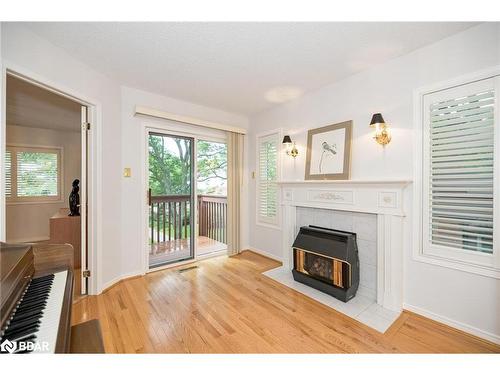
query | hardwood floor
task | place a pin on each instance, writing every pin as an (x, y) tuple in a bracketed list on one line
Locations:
[(225, 305)]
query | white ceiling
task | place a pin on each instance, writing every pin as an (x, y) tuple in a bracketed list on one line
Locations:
[(239, 67), (34, 107)]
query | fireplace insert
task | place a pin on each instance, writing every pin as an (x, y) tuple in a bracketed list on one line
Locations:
[(327, 260)]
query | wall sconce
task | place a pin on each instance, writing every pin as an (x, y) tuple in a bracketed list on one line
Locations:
[(382, 135), (290, 147)]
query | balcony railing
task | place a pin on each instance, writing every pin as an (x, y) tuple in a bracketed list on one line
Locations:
[(212, 217), (169, 217)]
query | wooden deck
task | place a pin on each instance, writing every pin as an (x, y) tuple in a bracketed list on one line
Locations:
[(163, 251), (226, 305)]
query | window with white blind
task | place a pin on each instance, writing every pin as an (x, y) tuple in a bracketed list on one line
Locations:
[(32, 174), (459, 173), (267, 178), (8, 169)]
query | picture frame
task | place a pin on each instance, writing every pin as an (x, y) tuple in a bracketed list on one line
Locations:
[(328, 154)]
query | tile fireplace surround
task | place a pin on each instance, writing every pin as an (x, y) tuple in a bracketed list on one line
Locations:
[(374, 211)]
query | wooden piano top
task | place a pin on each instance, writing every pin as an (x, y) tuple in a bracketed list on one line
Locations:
[(10, 255), (16, 267)]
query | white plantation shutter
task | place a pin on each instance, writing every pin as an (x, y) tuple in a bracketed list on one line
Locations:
[(267, 202), (8, 173), (459, 189), (33, 174)]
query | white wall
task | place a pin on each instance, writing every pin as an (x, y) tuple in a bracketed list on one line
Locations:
[(466, 300), (133, 141), (30, 221), (23, 50)]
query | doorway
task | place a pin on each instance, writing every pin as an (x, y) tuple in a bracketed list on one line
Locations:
[(45, 157)]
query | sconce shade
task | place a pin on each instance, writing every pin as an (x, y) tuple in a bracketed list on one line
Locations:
[(287, 139), (377, 119)]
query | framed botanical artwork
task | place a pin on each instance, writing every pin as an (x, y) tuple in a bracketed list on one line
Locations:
[(329, 152)]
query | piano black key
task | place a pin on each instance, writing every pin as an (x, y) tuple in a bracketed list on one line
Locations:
[(21, 332), (24, 322), (27, 314), (42, 298), (44, 282), (33, 298), (32, 306), (41, 282), (43, 278), (30, 299), (38, 289), (22, 327)]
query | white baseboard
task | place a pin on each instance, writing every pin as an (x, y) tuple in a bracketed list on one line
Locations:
[(264, 253), (28, 239), (454, 323), (118, 279)]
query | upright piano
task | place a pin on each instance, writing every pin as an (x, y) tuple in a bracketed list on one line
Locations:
[(36, 289)]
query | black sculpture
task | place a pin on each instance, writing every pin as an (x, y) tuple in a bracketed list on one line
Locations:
[(74, 199)]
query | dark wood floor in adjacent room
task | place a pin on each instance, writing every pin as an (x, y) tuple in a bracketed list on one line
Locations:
[(226, 305)]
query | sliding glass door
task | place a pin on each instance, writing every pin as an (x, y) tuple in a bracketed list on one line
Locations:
[(211, 159), (171, 198)]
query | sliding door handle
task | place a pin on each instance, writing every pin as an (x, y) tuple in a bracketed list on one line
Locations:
[(149, 197)]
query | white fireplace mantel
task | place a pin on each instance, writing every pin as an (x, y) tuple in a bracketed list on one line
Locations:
[(383, 198)]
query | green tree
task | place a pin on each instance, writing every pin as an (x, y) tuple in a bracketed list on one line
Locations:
[(170, 166), (212, 167), (169, 170)]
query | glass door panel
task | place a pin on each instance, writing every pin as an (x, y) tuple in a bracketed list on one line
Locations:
[(211, 182), (171, 198)]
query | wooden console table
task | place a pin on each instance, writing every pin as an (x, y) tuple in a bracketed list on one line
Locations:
[(67, 229)]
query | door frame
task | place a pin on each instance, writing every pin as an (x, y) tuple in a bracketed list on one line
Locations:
[(94, 157), (172, 128)]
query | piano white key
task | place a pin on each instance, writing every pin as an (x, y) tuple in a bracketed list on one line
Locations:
[(46, 336)]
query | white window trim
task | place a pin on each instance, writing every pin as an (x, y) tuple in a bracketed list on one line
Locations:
[(258, 220), (492, 270), (11, 201)]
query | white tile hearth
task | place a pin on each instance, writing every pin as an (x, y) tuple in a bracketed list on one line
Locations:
[(361, 308)]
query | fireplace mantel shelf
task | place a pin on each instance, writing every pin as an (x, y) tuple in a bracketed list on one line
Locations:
[(402, 183)]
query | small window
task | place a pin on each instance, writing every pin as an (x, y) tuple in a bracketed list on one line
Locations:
[(33, 174), (459, 189), (267, 182)]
